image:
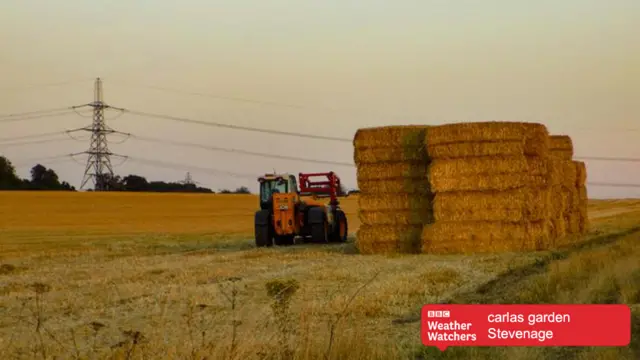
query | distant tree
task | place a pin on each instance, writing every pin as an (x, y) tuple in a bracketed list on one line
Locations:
[(134, 183), (45, 179), (8, 178), (242, 190)]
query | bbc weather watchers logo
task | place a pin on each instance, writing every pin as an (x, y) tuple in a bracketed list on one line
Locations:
[(438, 314)]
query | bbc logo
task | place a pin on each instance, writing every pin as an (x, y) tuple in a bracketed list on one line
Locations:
[(438, 314)]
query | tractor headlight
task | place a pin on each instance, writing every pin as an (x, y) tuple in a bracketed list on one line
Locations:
[(284, 207)]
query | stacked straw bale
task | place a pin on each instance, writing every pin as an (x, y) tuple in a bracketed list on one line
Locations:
[(395, 198), (564, 179), (490, 182)]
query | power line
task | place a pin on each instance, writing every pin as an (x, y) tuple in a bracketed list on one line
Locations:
[(31, 161), (33, 142), (596, 158), (29, 113), (51, 84), (301, 106), (32, 136), (613, 184), (172, 165), (244, 152), (35, 116), (237, 127), (260, 102)]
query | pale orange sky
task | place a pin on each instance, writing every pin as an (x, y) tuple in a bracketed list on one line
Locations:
[(572, 65)]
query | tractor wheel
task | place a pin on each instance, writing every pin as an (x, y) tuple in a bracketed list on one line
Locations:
[(341, 230), (284, 240), (319, 233), (264, 236)]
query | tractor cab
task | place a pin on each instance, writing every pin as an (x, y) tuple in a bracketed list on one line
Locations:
[(271, 184)]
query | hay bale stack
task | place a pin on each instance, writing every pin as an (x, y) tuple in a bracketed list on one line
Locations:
[(490, 186), (395, 196)]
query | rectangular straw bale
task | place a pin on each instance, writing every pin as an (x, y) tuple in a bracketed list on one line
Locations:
[(393, 202), (581, 173), (483, 237), (560, 142), (562, 154), (538, 165), (401, 185), (475, 149), (388, 171), (510, 206), (446, 168), (385, 239), (390, 136), (562, 172), (535, 137), (486, 182), (396, 218), (389, 154), (561, 147), (506, 214)]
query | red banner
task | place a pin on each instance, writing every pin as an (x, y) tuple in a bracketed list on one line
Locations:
[(525, 325)]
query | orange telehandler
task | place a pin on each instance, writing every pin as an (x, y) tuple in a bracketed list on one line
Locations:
[(283, 215)]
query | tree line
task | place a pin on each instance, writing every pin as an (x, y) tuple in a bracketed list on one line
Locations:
[(43, 178)]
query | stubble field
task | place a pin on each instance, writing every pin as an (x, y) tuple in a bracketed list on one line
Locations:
[(122, 275)]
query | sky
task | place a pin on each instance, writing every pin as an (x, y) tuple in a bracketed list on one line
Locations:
[(322, 67)]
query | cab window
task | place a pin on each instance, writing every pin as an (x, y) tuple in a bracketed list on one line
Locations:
[(267, 188)]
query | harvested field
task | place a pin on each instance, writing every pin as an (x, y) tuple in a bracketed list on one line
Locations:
[(111, 268)]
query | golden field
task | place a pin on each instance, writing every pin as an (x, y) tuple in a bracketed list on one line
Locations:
[(147, 276)]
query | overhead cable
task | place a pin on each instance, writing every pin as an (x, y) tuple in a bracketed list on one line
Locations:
[(244, 152), (237, 127)]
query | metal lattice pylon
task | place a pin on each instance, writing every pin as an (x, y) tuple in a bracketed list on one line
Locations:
[(98, 168)]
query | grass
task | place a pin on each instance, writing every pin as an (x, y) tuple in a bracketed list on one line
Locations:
[(131, 276)]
